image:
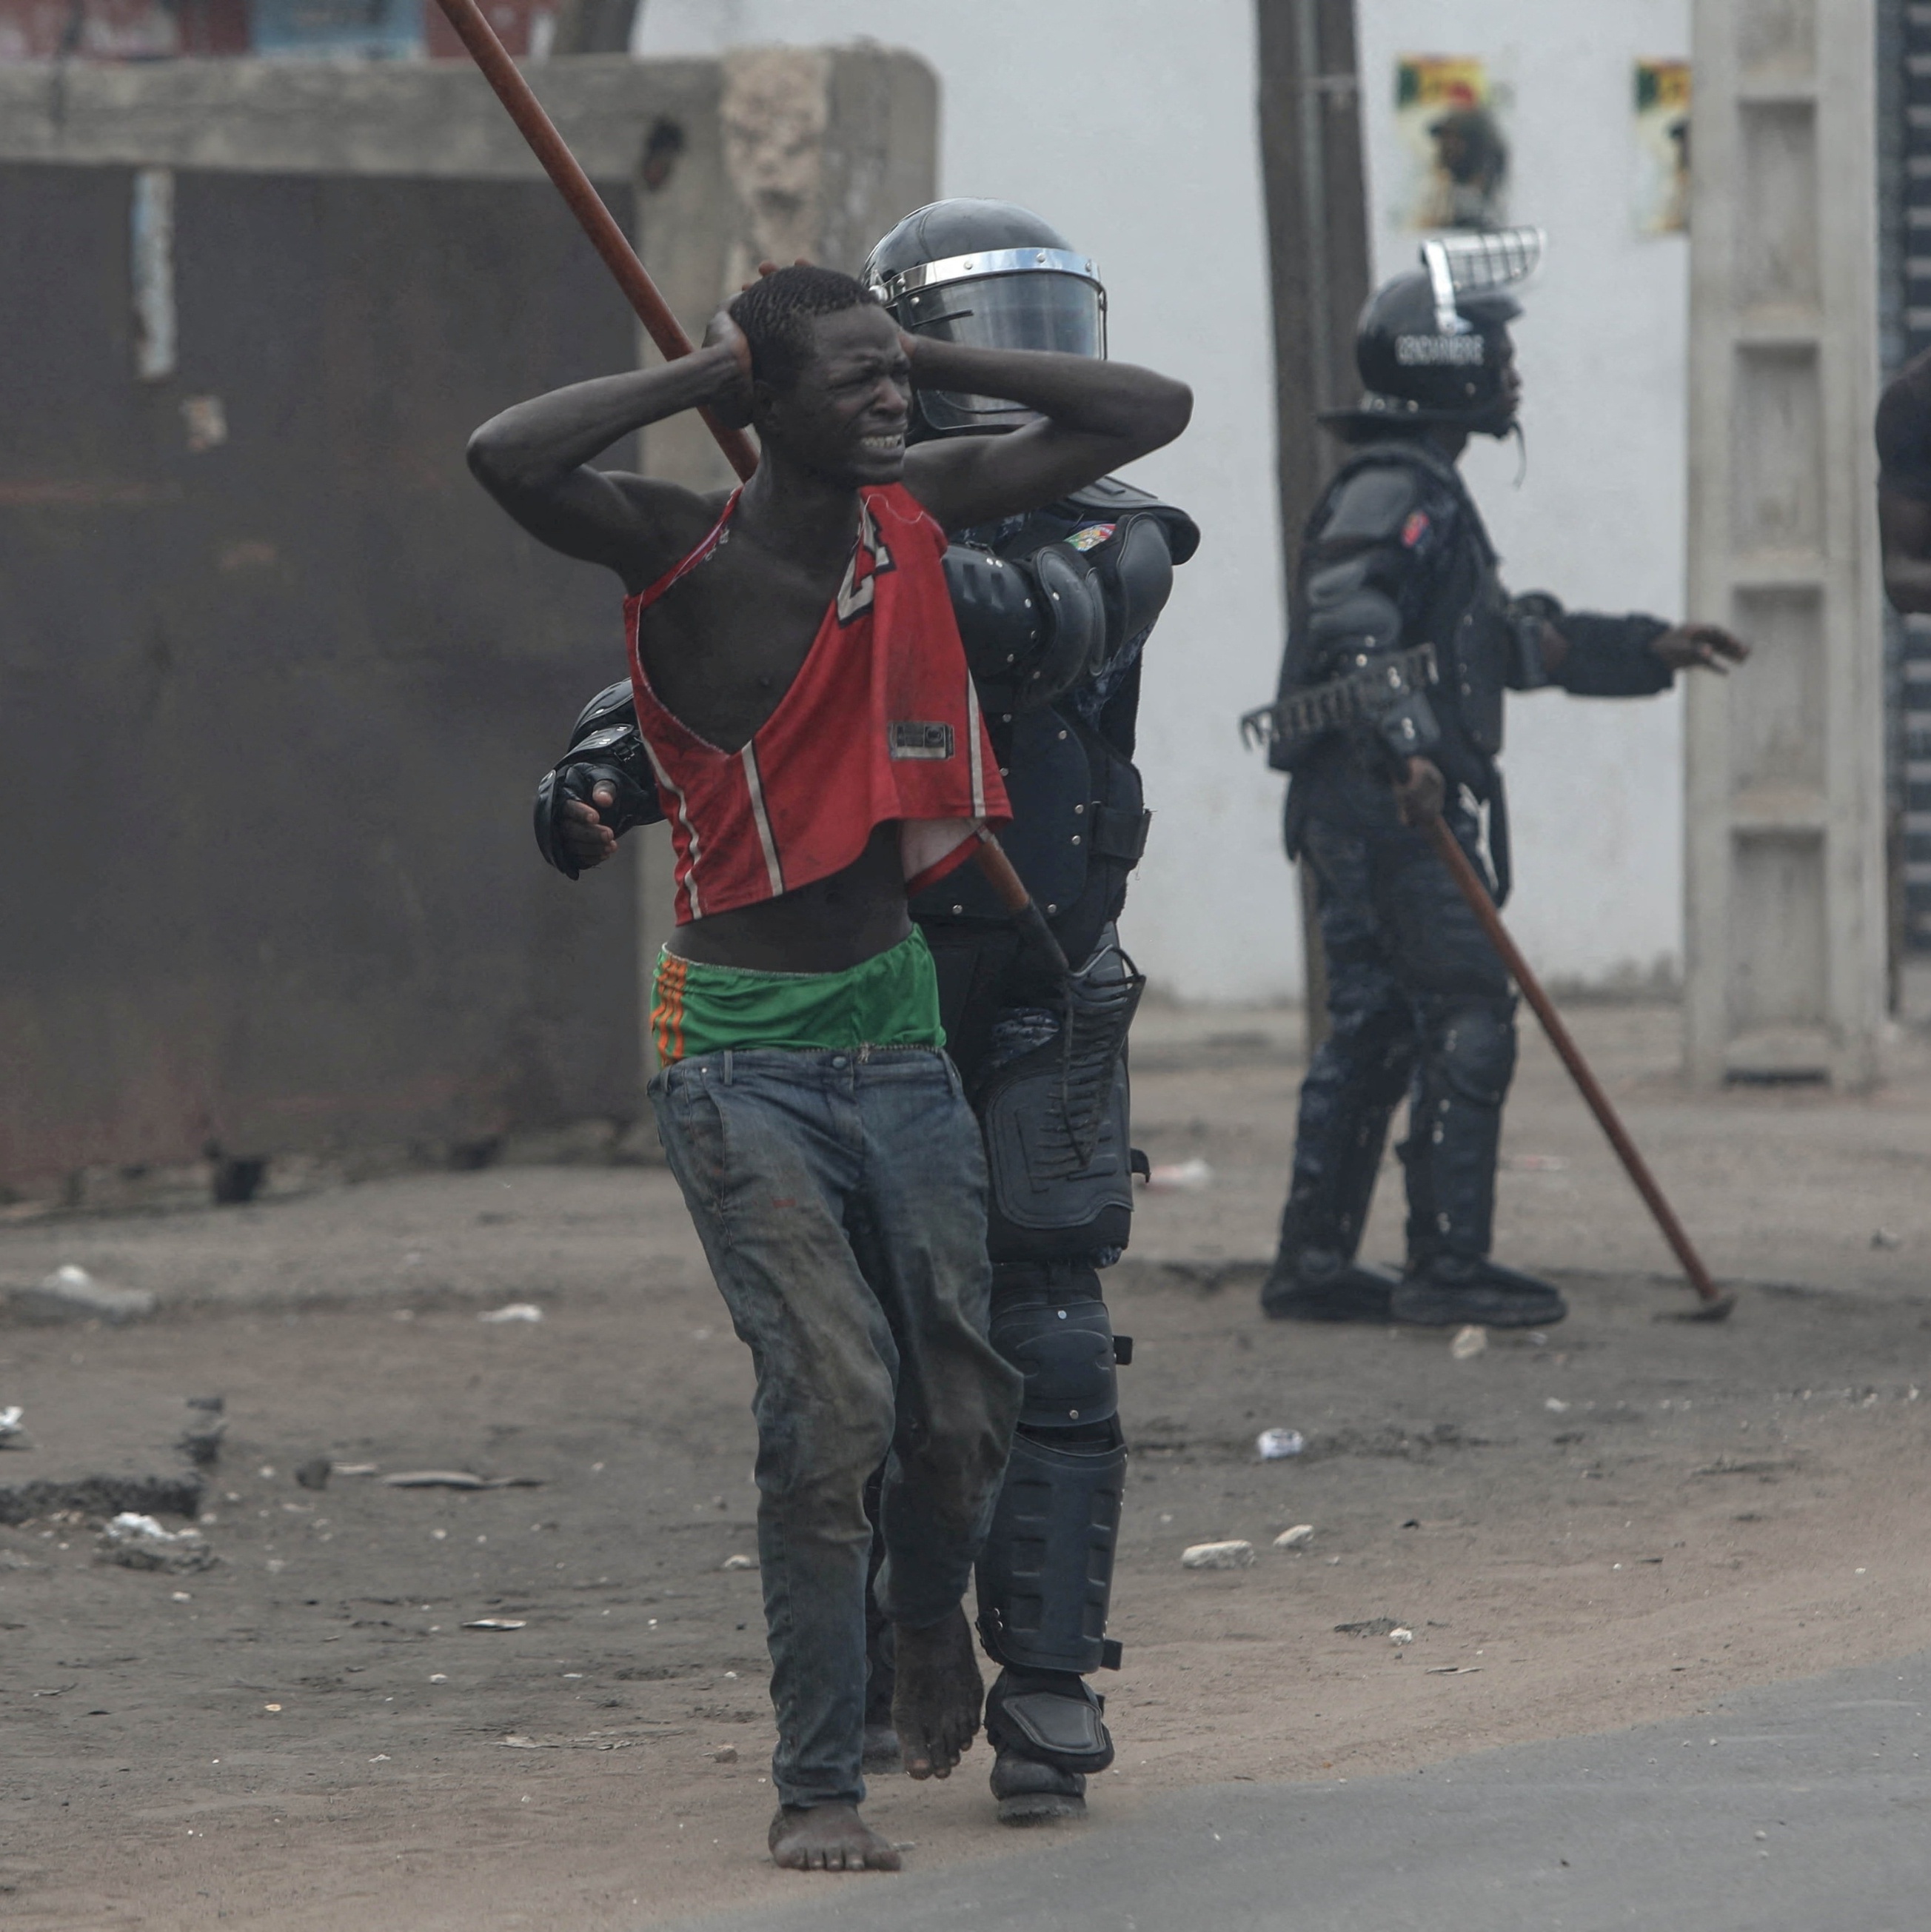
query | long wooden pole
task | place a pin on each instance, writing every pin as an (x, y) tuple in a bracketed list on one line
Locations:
[(585, 204), (1716, 1303)]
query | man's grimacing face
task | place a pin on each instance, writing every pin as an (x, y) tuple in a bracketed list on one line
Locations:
[(846, 413)]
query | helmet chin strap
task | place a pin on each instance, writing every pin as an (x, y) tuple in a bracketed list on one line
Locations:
[(1515, 429)]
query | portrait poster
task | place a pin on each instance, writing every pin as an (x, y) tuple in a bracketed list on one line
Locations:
[(1449, 121), (1662, 147)]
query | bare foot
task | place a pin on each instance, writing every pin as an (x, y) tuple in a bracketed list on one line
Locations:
[(936, 1703), (828, 1837)]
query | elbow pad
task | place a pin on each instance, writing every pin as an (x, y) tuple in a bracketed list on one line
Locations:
[(1033, 626), (1356, 630)]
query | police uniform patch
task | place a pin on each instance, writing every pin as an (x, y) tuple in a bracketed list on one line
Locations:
[(1092, 537), (1414, 530)]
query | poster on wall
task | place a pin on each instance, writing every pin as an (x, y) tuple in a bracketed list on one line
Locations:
[(1662, 147), (1450, 123)]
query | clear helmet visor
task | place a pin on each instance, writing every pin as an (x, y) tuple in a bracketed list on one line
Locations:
[(1051, 310)]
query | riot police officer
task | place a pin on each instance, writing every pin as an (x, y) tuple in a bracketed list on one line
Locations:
[(1402, 642), (1054, 610)]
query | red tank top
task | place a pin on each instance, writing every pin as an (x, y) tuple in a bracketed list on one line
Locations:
[(881, 723)]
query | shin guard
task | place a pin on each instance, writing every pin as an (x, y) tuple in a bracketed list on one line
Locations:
[(1045, 1575)]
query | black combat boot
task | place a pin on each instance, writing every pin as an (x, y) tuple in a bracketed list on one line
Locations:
[(1317, 1285), (1337, 1155), (1048, 1728)]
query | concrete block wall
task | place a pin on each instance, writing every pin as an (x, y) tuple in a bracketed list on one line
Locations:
[(276, 678)]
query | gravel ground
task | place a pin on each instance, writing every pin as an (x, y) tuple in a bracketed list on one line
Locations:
[(1621, 1520)]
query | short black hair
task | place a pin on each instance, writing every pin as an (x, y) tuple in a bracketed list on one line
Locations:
[(776, 313)]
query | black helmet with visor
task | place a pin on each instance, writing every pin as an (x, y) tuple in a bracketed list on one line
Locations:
[(1434, 347), (992, 275)]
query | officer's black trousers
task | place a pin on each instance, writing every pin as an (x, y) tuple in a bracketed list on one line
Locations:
[(1418, 1003)]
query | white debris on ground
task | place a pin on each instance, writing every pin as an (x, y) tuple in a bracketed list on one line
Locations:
[(740, 1562), (71, 1294), (1180, 1177), (1274, 1445), (1401, 1634), (514, 1311), (137, 1542), (1235, 1554), (1468, 1343), (1299, 1537)]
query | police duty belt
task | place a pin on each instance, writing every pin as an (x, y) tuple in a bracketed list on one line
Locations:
[(1360, 696)]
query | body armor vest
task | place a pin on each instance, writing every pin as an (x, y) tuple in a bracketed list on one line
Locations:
[(1466, 619)]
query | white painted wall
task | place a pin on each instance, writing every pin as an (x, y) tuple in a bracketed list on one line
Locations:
[(1595, 786), (1130, 125)]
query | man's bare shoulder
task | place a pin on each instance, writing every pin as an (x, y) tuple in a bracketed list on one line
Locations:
[(665, 521)]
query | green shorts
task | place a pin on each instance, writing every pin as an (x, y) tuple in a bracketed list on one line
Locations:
[(889, 1000)]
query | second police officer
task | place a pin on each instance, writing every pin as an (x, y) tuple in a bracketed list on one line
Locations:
[(1402, 642), (1054, 610)]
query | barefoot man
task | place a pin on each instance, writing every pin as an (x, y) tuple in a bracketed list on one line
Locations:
[(803, 693)]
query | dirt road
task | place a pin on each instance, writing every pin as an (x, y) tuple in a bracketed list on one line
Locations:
[(1614, 1522)]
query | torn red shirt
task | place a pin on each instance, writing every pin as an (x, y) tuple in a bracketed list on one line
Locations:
[(881, 724)]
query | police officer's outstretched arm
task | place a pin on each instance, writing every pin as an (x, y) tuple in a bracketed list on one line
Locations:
[(1590, 655), (1093, 417)]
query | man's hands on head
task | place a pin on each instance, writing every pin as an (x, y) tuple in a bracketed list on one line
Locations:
[(1707, 645), (1420, 792), (730, 403)]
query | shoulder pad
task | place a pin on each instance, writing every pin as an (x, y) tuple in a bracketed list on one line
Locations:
[(615, 704), (1109, 497), (1372, 503)]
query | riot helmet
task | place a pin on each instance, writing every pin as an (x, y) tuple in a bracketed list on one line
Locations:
[(1434, 347), (992, 275)]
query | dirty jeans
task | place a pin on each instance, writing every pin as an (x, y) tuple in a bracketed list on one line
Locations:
[(841, 1199)]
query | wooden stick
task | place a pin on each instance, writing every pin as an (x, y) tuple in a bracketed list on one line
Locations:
[(585, 204), (1004, 877), (1716, 1303)]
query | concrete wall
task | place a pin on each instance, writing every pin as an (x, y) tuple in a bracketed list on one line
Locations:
[(1131, 124), (1597, 786), (276, 678)]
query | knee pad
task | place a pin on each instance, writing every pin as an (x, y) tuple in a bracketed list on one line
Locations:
[(1044, 1202), (1045, 1575), (1065, 1350), (1472, 1053)]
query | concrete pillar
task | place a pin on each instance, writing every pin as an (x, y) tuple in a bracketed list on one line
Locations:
[(1314, 178), (1784, 872)]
